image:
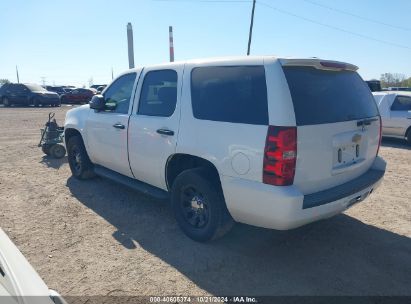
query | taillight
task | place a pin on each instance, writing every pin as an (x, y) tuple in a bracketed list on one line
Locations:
[(379, 143), (280, 156)]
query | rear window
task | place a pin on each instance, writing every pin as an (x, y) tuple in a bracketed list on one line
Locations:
[(235, 94), (321, 96)]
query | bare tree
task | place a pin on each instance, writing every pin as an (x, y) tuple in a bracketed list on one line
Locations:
[(393, 80)]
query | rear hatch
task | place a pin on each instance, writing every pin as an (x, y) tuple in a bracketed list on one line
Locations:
[(338, 124)]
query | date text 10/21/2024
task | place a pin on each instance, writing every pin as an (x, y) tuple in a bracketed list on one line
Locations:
[(202, 299)]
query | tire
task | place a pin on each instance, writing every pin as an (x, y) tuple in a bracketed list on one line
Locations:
[(80, 165), (199, 206), (57, 151), (6, 102), (46, 149), (408, 136)]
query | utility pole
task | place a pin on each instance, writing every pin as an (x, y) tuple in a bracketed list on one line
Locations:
[(130, 46), (43, 80), (251, 29), (170, 36), (112, 73), (17, 72)]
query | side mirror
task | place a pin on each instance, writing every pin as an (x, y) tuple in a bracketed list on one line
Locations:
[(97, 102)]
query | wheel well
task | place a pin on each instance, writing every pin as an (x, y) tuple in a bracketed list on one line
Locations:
[(178, 163), (408, 132), (68, 133)]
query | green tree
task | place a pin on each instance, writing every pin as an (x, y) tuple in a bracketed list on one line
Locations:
[(3, 81)]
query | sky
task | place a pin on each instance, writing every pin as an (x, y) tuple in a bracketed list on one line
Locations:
[(72, 42)]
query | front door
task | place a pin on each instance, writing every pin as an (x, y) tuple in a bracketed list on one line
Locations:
[(154, 124), (107, 130)]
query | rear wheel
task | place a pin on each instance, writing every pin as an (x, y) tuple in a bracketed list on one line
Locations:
[(199, 206), (57, 151), (80, 164)]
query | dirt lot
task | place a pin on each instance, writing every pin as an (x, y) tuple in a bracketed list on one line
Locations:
[(99, 238)]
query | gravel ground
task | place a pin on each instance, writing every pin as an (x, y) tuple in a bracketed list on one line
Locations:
[(99, 238)]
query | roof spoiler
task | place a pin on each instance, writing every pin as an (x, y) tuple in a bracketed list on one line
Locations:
[(320, 64)]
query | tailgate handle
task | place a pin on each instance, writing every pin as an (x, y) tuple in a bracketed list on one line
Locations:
[(366, 122)]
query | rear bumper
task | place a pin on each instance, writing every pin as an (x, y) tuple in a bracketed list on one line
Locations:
[(283, 208)]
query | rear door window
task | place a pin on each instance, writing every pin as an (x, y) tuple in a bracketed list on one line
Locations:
[(235, 94), (321, 96), (159, 93), (401, 103)]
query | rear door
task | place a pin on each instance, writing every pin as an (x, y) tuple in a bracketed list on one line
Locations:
[(154, 123), (338, 125), (400, 115)]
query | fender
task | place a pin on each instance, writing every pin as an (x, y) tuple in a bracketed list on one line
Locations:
[(76, 119)]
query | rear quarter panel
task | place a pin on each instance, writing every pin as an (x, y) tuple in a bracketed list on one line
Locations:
[(235, 149)]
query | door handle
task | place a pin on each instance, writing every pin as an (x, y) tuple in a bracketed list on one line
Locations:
[(119, 126), (165, 132)]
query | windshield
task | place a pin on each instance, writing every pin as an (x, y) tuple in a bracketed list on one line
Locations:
[(321, 96), (35, 87)]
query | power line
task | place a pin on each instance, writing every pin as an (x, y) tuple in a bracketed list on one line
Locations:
[(333, 27), (358, 16)]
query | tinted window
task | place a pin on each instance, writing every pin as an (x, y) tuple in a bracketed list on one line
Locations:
[(119, 93), (321, 96), (159, 93), (233, 94), (401, 103)]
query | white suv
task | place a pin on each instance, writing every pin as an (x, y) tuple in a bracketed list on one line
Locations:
[(276, 143), (395, 109)]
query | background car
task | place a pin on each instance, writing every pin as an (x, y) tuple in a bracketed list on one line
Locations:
[(101, 88), (57, 89), (27, 94), (395, 110), (96, 86), (78, 96)]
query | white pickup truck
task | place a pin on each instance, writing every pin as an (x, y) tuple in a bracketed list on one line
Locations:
[(270, 142)]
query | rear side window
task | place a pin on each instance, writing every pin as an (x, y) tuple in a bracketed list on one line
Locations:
[(159, 93), (401, 103), (235, 94), (321, 96)]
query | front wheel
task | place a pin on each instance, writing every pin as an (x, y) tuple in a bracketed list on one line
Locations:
[(80, 165), (199, 207)]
